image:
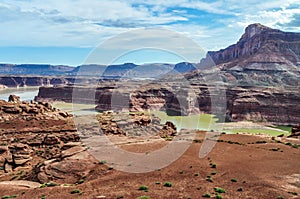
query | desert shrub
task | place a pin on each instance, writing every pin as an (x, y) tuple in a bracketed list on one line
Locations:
[(233, 180), (12, 196), (158, 183), (219, 190), (48, 184), (293, 193), (143, 188), (144, 197), (196, 174), (213, 165), (103, 162), (213, 172), (206, 195), (197, 140), (168, 184), (218, 197), (75, 191), (240, 189), (261, 142), (275, 149), (209, 179)]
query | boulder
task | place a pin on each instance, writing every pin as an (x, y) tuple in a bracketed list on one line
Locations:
[(295, 132), (168, 130), (14, 99)]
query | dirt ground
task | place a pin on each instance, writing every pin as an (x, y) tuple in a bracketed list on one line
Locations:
[(246, 167)]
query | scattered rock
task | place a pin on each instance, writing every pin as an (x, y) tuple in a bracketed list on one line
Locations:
[(168, 130), (14, 99), (295, 131)]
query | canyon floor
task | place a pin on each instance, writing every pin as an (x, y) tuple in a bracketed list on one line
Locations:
[(42, 157)]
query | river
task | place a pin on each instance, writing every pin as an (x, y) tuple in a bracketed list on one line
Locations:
[(200, 121), (25, 93)]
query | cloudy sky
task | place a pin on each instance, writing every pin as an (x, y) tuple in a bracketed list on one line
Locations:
[(67, 31)]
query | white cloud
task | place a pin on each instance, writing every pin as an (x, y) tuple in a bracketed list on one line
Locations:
[(89, 22)]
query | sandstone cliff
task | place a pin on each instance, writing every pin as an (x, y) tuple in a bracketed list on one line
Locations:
[(261, 44)]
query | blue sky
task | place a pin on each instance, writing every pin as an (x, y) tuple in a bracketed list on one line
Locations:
[(67, 31)]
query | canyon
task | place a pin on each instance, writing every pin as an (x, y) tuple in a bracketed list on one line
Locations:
[(256, 79)]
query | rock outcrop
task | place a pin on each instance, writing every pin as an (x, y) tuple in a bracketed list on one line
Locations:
[(295, 132), (40, 143), (260, 44), (169, 130)]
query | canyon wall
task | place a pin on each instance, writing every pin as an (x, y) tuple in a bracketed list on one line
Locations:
[(275, 105)]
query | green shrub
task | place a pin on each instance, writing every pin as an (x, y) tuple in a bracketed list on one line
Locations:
[(48, 184), (143, 188), (103, 162), (196, 174), (206, 195), (219, 190), (213, 172), (158, 183), (209, 180), (168, 184), (293, 193), (213, 165), (218, 197), (75, 191), (233, 180), (144, 197)]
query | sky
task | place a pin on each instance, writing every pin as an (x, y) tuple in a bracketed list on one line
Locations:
[(69, 32)]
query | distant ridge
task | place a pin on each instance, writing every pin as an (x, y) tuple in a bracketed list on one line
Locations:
[(261, 45)]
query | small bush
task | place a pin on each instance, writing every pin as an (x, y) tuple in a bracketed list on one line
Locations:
[(143, 188), (48, 184), (213, 172), (213, 165), (209, 180), (168, 184), (233, 180), (75, 191), (103, 162), (275, 149), (12, 196), (206, 195), (144, 197), (197, 140), (296, 146), (280, 197), (240, 189), (196, 174), (158, 183), (218, 197), (260, 142), (293, 193), (219, 190)]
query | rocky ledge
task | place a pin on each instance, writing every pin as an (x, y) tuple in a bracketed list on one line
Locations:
[(40, 143)]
